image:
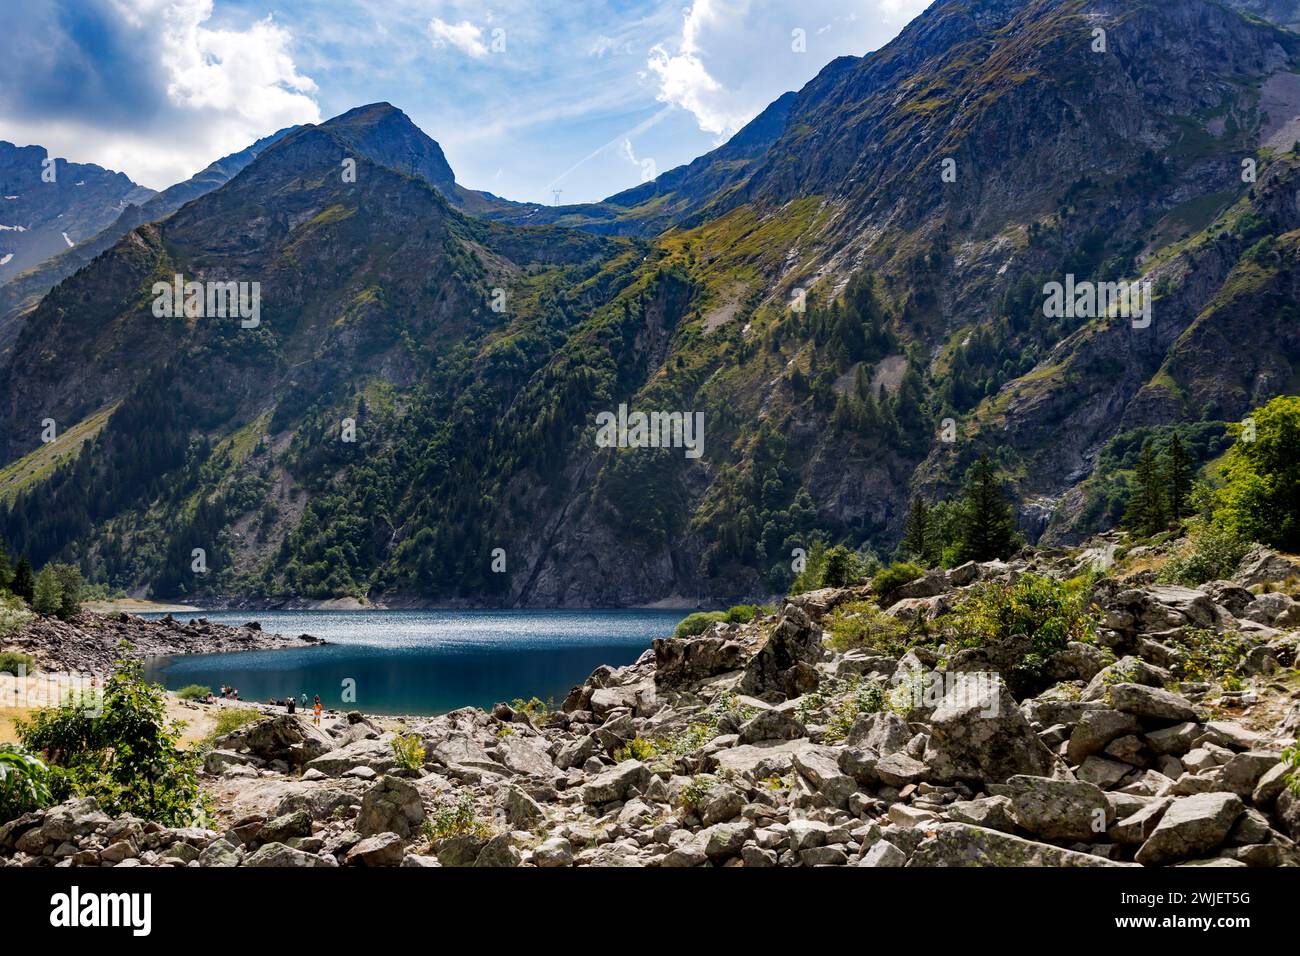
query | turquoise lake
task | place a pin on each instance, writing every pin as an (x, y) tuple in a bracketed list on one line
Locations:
[(421, 662)]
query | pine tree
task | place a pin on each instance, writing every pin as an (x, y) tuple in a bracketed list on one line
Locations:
[(919, 539), (24, 583), (1146, 513), (1178, 478), (6, 568), (988, 527)]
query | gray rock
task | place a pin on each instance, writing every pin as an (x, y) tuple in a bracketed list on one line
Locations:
[(882, 853), (1151, 703), (960, 844), (978, 733), (1059, 809), (1190, 827), (1095, 730), (555, 851), (772, 725), (617, 783), (386, 849), (279, 855), (499, 852), (391, 806)]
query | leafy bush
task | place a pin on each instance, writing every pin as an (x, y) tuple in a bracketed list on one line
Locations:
[(1050, 613), (863, 624), (13, 616), (1292, 758), (743, 613), (230, 719), (894, 577), (409, 751), (194, 692), (1261, 498), (11, 662), (122, 750), (698, 623), (833, 567), (1213, 551), (638, 748), (24, 782), (456, 819)]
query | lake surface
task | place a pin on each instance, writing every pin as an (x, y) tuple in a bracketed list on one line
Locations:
[(421, 662)]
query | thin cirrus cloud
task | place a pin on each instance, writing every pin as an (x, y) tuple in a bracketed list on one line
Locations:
[(148, 87)]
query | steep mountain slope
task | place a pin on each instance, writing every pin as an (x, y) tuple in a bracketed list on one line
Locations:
[(818, 290), (45, 211), (23, 291)]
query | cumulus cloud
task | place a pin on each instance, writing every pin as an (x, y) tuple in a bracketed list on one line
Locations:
[(464, 36), (734, 57), (147, 87)]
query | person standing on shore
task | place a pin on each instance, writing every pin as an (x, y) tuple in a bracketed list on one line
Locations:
[(315, 711)]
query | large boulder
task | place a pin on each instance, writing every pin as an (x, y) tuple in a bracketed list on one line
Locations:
[(1261, 566), (392, 805), (794, 641), (617, 783), (1059, 809), (279, 855), (960, 844), (1191, 827), (978, 733), (1151, 703), (375, 754), (286, 737), (688, 660)]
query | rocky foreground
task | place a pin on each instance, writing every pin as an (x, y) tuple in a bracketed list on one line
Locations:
[(90, 643), (760, 745)]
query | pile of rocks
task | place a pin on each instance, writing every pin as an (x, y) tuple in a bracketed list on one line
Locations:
[(759, 745), (90, 643)]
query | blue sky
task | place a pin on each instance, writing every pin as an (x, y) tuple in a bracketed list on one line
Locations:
[(583, 96)]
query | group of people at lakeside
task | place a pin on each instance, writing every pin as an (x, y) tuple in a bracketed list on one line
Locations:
[(291, 705)]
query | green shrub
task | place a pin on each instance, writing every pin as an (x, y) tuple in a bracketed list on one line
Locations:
[(13, 616), (230, 719), (124, 751), (1213, 551), (24, 782), (456, 819), (742, 613), (194, 692), (698, 623), (638, 748), (1292, 758), (11, 662), (894, 577), (1050, 613), (409, 751), (863, 624)]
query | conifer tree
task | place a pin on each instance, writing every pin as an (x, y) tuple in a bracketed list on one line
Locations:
[(1178, 478), (24, 582), (919, 539), (987, 527), (1146, 513)]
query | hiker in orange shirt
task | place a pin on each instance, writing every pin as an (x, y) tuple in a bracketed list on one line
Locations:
[(315, 711)]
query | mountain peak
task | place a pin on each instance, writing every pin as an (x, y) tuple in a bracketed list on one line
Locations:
[(387, 135)]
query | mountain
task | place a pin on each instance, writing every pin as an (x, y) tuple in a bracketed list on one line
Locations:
[(856, 277), (22, 291), (47, 209)]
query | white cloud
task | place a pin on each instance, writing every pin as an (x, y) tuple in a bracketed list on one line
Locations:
[(222, 89), (734, 57), (464, 36)]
